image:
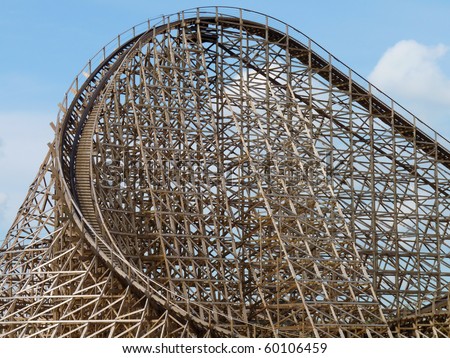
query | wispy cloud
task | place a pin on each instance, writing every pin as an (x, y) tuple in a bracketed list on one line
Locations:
[(3, 199), (24, 137), (411, 73)]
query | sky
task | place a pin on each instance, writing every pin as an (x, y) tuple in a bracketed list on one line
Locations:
[(402, 46)]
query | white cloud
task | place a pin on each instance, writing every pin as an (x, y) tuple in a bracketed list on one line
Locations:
[(412, 69), (411, 73)]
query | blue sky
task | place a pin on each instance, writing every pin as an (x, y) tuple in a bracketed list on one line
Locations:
[(402, 46)]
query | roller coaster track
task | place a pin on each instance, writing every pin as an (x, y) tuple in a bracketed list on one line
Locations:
[(320, 264)]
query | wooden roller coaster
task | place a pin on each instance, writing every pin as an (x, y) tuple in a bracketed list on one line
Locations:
[(216, 173)]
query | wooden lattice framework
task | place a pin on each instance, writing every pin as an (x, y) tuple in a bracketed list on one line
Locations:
[(216, 173)]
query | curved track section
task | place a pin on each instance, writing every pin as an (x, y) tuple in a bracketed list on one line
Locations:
[(176, 74)]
